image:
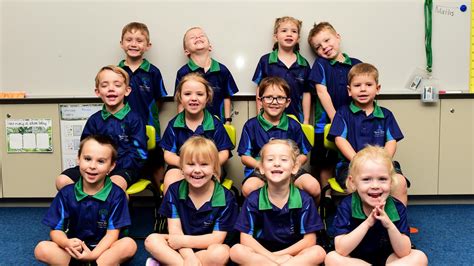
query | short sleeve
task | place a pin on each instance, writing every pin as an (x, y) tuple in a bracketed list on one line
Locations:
[(159, 90), (169, 139), (259, 72), (221, 138), (245, 143), (248, 216), (226, 219), (120, 216), (168, 206), (310, 219), (58, 213), (317, 74), (393, 131), (338, 127), (342, 223)]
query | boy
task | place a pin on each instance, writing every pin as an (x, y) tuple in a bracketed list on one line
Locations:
[(364, 122), (329, 78), (117, 121), (198, 49), (86, 217), (147, 87)]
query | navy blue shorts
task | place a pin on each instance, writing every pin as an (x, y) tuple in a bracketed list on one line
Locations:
[(322, 158)]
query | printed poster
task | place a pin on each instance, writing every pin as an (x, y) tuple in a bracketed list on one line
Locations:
[(29, 135)]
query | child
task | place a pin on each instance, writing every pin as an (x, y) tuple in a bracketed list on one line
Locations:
[(86, 218), (147, 88), (198, 49), (286, 62), (371, 226), (278, 222), (193, 93), (329, 77), (365, 122), (120, 123), (199, 209), (272, 122)]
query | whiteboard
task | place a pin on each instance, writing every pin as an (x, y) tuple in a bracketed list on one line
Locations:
[(54, 48)]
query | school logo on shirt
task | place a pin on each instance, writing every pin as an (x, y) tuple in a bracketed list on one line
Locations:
[(123, 137), (145, 86), (102, 222), (379, 132)]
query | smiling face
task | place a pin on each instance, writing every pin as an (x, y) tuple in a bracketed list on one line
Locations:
[(274, 102), (326, 44), (372, 181), (198, 171), (363, 88), (195, 40), (193, 96), (95, 161), (135, 43), (278, 163), (112, 89), (287, 35)]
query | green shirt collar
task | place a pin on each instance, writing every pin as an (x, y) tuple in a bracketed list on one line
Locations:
[(101, 195), (214, 65), (273, 58), (377, 110), (207, 122), (145, 65), (358, 213), (294, 200), (283, 124), (119, 115), (347, 60), (218, 195)]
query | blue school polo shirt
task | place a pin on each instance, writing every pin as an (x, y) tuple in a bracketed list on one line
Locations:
[(218, 214), (177, 132), (352, 124), (296, 76), (128, 132), (333, 75), (350, 215), (277, 228), (257, 132), (88, 217), (221, 80), (147, 88)]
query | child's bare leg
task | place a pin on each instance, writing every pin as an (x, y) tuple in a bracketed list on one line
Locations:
[(62, 181), (309, 256), (401, 190), (158, 247), (334, 258), (251, 184), (120, 251), (324, 176), (119, 181), (171, 176), (215, 254), (309, 184), (416, 257), (244, 255), (50, 253)]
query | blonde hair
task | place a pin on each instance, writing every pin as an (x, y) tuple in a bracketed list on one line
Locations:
[(295, 151), (136, 26), (200, 148), (317, 28), (115, 69), (279, 21), (374, 154), (198, 78), (363, 69)]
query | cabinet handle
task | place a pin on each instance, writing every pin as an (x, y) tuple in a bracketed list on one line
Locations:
[(236, 112), (9, 115), (451, 110)]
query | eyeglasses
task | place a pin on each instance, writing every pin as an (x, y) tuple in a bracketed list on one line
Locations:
[(270, 99)]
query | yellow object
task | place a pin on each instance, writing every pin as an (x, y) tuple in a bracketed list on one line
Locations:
[(327, 143), (231, 132), (335, 186), (308, 130), (142, 183), (12, 94), (227, 183)]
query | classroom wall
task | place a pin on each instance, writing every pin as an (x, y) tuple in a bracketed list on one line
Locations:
[(54, 48)]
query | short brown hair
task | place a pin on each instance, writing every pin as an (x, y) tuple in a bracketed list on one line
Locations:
[(317, 28), (363, 69), (115, 69), (136, 26), (201, 148), (102, 140), (273, 81), (279, 21), (196, 77)]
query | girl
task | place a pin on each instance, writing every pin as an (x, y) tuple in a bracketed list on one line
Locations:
[(270, 123), (371, 226), (286, 62), (199, 209), (193, 93), (278, 222)]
